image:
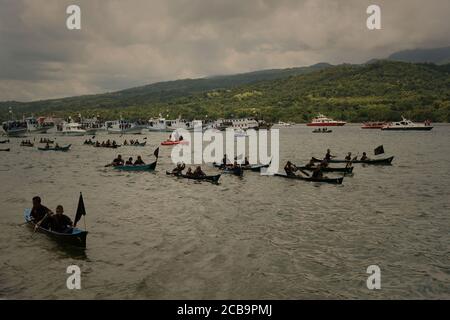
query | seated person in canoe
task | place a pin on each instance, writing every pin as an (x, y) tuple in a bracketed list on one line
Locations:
[(40, 213), (246, 162), (189, 172), (328, 155), (47, 146), (59, 222), (199, 172), (129, 162), (324, 163), (348, 157), (364, 157), (139, 161), (117, 161)]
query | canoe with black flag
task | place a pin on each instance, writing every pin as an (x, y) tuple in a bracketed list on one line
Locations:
[(81, 211), (378, 150)]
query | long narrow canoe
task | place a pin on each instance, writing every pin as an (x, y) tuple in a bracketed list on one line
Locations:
[(7, 150), (76, 238), (64, 148), (385, 161), (310, 179), (329, 169), (4, 141), (255, 168), (26, 145), (214, 178), (144, 167), (141, 144), (108, 147)]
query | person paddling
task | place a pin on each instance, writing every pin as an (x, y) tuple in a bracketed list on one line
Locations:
[(328, 155), (59, 222), (117, 161), (349, 156), (179, 168), (40, 213)]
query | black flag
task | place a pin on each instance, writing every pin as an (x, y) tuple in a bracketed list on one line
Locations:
[(378, 150), (156, 153), (81, 211)]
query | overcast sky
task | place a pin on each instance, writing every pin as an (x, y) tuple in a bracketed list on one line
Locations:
[(135, 42)]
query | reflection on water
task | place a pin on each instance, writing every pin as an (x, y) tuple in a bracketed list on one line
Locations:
[(155, 236)]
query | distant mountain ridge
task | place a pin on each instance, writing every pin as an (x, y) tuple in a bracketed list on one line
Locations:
[(434, 55), (379, 90)]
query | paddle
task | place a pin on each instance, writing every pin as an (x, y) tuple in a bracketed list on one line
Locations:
[(36, 227)]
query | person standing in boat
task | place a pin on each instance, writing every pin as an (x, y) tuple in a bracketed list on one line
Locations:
[(139, 161), (40, 213), (59, 222)]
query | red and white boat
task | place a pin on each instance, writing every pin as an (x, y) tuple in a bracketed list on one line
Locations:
[(322, 121), (373, 125)]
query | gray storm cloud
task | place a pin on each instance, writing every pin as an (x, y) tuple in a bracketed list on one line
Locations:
[(128, 43)]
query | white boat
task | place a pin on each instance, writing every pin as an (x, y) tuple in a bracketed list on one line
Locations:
[(14, 128), (162, 125), (243, 124), (124, 127), (322, 121), (38, 125), (70, 129), (407, 125), (92, 125), (283, 124)]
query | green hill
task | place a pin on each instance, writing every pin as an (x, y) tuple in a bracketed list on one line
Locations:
[(382, 90)]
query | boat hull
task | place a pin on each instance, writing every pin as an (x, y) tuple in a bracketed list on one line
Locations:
[(328, 169), (386, 161), (424, 128), (76, 238), (171, 143), (310, 179), (330, 124), (213, 179), (16, 133), (64, 149)]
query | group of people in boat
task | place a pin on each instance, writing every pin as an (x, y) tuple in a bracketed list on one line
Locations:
[(27, 143), (226, 163), (120, 162), (131, 143), (47, 146), (55, 221), (198, 172), (105, 144), (322, 130), (45, 140)]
